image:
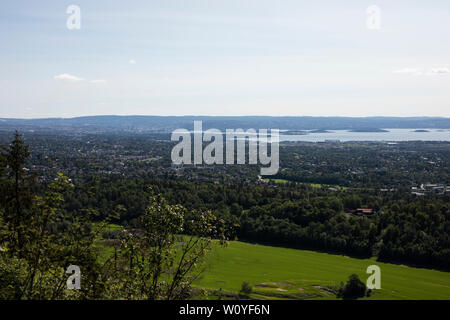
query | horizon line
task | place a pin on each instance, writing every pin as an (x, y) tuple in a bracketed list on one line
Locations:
[(218, 116)]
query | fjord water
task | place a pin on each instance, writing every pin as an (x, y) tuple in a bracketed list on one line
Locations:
[(390, 135)]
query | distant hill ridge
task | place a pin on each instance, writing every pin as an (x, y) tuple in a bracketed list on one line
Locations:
[(114, 123)]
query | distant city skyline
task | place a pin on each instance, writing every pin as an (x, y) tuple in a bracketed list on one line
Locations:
[(225, 58)]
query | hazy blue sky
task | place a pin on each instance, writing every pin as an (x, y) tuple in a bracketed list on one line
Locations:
[(225, 57)]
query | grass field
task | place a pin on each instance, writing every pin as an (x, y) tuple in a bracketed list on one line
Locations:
[(312, 185), (298, 274), (282, 273)]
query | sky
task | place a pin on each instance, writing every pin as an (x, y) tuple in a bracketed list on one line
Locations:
[(225, 57)]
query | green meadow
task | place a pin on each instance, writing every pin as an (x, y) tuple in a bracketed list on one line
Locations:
[(312, 185), (281, 273)]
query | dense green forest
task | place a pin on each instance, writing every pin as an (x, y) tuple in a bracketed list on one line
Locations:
[(406, 229)]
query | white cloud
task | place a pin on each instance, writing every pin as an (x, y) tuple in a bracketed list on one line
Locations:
[(430, 72), (71, 78), (439, 71), (67, 77), (132, 61)]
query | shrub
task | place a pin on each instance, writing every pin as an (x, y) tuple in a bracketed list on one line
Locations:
[(246, 288), (353, 289)]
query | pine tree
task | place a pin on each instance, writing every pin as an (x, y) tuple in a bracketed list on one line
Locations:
[(16, 191)]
